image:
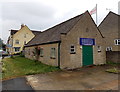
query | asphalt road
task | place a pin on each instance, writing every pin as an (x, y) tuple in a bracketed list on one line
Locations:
[(17, 84)]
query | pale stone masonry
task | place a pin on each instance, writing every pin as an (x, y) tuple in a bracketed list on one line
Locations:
[(61, 45), (110, 29)]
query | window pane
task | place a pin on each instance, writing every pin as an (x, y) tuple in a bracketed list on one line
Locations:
[(116, 42), (41, 51), (52, 53), (29, 51), (72, 49), (99, 48), (119, 43), (72, 46), (17, 49), (109, 49), (119, 40)]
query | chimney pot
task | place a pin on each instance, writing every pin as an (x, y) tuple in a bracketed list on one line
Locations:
[(22, 25)]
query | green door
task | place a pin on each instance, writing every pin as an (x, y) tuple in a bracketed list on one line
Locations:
[(87, 55)]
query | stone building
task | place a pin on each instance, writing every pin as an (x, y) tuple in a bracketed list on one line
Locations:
[(110, 30), (18, 38), (72, 44)]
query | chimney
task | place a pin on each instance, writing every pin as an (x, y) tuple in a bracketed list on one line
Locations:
[(22, 25)]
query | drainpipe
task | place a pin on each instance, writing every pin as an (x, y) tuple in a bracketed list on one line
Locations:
[(59, 55)]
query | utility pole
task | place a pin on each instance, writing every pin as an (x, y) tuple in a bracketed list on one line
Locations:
[(96, 15)]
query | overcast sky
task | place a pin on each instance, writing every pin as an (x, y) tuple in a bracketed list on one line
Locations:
[(43, 14)]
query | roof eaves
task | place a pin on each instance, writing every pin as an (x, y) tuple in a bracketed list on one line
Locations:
[(107, 16), (76, 22), (43, 43)]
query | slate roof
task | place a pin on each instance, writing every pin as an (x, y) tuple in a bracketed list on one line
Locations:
[(53, 34), (111, 21), (13, 32), (34, 32)]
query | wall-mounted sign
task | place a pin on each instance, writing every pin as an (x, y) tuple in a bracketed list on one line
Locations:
[(87, 41)]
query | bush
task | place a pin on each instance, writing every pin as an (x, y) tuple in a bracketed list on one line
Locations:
[(22, 55), (11, 56)]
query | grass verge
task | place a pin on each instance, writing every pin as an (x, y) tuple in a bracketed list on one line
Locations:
[(113, 70), (20, 66), (112, 63)]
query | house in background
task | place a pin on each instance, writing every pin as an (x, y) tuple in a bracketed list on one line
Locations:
[(18, 38), (72, 44), (110, 30)]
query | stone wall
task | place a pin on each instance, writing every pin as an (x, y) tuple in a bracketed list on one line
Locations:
[(46, 58), (85, 28)]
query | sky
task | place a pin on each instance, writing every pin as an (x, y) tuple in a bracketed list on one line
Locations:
[(43, 14)]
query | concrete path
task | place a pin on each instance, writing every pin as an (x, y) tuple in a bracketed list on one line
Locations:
[(91, 78), (17, 84)]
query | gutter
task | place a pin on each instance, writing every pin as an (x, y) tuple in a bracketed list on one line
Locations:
[(59, 43), (43, 43), (59, 54)]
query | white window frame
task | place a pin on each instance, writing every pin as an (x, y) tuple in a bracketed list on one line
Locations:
[(53, 53), (72, 49), (108, 48), (117, 41), (99, 48)]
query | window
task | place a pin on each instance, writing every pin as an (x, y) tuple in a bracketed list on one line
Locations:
[(52, 55), (72, 49), (41, 52), (17, 42), (109, 49), (117, 41), (99, 48), (17, 49)]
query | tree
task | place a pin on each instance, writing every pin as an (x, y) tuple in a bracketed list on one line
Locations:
[(2, 45)]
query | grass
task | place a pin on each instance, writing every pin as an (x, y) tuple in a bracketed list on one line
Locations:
[(113, 70), (20, 66), (112, 63)]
